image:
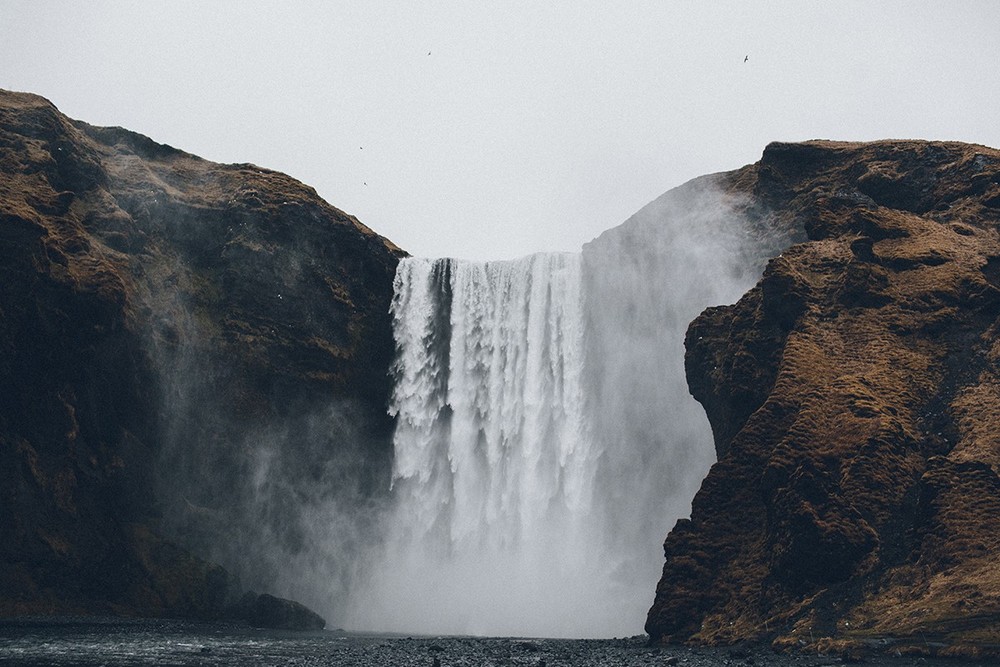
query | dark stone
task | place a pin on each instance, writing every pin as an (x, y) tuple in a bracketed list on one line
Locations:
[(134, 276), (268, 611)]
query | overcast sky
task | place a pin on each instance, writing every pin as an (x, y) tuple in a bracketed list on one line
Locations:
[(494, 129)]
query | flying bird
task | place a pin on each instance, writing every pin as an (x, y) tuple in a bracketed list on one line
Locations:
[(746, 59)]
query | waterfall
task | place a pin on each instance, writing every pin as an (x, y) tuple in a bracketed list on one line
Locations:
[(545, 440), (492, 452), (494, 470)]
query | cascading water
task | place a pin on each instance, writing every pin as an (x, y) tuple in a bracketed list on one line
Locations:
[(545, 439), (491, 446), (494, 467)]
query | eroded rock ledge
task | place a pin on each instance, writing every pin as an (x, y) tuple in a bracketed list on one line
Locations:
[(854, 395)]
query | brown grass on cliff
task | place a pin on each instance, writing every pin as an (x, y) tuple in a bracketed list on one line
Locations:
[(856, 496)]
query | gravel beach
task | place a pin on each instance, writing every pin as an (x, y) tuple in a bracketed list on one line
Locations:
[(114, 642)]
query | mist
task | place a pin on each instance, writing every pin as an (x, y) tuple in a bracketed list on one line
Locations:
[(540, 441), (545, 440), (285, 501), (271, 440)]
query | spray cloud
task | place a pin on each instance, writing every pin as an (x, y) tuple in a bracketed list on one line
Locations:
[(545, 439)]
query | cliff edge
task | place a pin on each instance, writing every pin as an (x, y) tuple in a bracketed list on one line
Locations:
[(853, 396), (157, 311)]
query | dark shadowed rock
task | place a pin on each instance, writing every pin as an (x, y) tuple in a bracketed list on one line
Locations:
[(853, 398), (157, 312), (268, 611)]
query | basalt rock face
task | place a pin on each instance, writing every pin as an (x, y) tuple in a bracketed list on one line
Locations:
[(158, 314), (854, 395)]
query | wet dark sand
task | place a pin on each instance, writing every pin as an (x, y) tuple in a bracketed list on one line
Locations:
[(156, 642)]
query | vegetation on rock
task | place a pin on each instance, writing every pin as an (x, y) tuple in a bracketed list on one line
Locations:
[(156, 312), (852, 394)]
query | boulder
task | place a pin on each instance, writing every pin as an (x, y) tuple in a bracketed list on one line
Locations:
[(268, 611)]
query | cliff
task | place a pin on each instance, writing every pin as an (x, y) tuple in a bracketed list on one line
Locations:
[(158, 314), (193, 381), (853, 396)]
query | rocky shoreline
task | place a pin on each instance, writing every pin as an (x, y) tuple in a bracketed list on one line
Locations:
[(115, 642)]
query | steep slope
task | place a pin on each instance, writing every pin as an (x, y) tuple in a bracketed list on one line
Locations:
[(157, 311), (853, 395)]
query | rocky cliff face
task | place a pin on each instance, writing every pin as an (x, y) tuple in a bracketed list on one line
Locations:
[(193, 359), (159, 314), (853, 395)]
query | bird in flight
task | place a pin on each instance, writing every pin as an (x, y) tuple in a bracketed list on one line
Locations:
[(746, 59)]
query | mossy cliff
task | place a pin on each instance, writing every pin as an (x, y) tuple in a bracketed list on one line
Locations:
[(854, 395), (156, 311)]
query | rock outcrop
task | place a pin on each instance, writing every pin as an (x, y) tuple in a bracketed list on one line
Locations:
[(853, 395), (158, 313), (267, 611)]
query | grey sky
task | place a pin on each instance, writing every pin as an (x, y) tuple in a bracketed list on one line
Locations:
[(530, 125)]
